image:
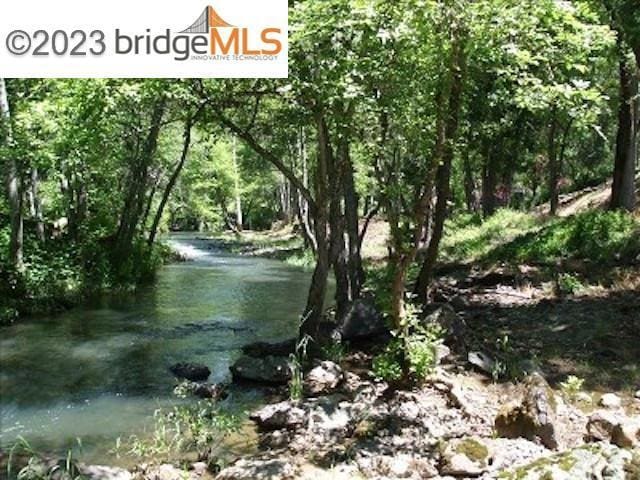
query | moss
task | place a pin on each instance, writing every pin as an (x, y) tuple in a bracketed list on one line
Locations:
[(473, 450)]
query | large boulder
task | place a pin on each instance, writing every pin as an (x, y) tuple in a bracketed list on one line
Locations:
[(195, 372), (597, 461), (467, 457), (452, 324), (533, 416), (278, 416), (270, 369), (323, 378), (362, 320), (615, 428)]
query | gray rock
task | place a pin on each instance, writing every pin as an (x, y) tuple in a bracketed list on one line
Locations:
[(195, 372), (362, 320), (451, 323), (610, 400), (533, 416), (482, 361), (467, 457), (278, 416), (442, 353), (615, 428), (323, 379), (598, 461), (101, 472), (202, 390), (259, 469), (270, 369)]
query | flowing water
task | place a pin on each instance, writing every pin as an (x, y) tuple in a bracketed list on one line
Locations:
[(98, 372)]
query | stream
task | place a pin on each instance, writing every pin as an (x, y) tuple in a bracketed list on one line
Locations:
[(98, 372)]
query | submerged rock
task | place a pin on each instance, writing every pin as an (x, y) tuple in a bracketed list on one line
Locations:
[(265, 349), (270, 369), (195, 372), (278, 416), (324, 378), (202, 390), (532, 417)]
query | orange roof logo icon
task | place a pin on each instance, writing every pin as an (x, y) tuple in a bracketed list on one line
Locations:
[(207, 20)]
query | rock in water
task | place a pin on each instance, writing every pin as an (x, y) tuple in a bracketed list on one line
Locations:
[(278, 416), (323, 379), (195, 372), (362, 320), (271, 370), (533, 416)]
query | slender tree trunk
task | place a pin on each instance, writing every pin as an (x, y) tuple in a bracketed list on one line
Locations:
[(489, 183), (351, 201), (186, 143), (14, 184), (443, 176), (314, 309), (553, 164), (623, 194), (36, 203), (303, 205), (469, 184), (238, 199)]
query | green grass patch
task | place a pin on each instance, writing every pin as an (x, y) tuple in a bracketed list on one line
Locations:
[(598, 236), (467, 238)]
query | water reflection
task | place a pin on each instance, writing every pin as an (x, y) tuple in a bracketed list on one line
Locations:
[(99, 371)]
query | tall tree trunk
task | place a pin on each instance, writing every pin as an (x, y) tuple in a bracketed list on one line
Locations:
[(186, 143), (443, 176), (354, 257), (489, 182), (134, 201), (36, 204), (303, 205), (469, 184), (14, 184), (238, 199), (623, 194), (553, 163), (313, 311)]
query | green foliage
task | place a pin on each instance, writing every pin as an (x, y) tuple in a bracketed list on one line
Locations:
[(411, 353), (569, 283), (200, 427), (334, 351), (296, 364), (39, 468), (571, 387)]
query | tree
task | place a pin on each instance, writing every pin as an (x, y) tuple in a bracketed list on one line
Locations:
[(13, 182)]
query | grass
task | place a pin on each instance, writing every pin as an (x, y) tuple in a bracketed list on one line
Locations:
[(516, 238)]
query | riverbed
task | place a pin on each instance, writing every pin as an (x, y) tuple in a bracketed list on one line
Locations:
[(98, 372)]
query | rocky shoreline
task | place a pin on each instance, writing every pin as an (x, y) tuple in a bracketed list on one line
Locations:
[(456, 424)]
